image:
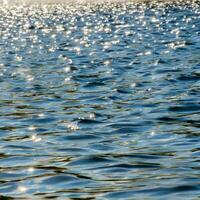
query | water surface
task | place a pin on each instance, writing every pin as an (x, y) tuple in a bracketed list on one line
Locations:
[(100, 101)]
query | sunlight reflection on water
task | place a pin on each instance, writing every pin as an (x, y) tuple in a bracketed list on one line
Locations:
[(100, 101)]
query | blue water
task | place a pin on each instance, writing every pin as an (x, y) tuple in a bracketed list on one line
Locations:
[(100, 101)]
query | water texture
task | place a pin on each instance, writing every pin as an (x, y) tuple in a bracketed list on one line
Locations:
[(100, 101)]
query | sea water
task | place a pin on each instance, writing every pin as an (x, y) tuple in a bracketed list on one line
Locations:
[(100, 100)]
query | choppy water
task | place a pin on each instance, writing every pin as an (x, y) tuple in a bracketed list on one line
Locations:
[(100, 101)]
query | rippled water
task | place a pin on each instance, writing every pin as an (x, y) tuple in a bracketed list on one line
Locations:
[(100, 101)]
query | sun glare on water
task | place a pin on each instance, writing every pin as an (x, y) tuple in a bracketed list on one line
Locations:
[(99, 100)]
